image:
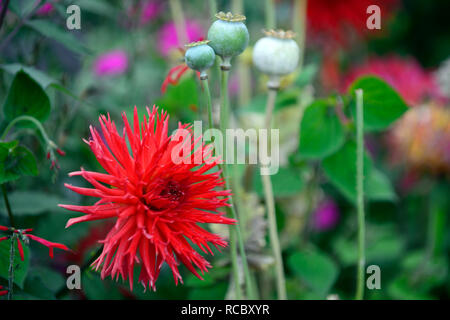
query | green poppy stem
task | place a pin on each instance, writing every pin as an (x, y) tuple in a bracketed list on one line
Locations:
[(235, 232), (270, 14), (360, 194), (270, 205), (208, 101)]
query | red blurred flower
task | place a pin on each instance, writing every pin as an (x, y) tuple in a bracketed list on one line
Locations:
[(404, 74), (334, 18), (173, 77), (156, 202), (24, 235), (89, 242), (3, 292)]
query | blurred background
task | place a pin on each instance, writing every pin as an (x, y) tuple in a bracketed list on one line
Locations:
[(123, 56)]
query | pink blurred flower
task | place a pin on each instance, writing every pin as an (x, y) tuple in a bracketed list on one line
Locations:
[(45, 9), (150, 9), (111, 63), (326, 215), (168, 39), (404, 74)]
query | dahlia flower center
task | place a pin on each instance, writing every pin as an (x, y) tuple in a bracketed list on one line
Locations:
[(169, 197)]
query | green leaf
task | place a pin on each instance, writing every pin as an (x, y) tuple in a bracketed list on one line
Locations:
[(16, 161), (378, 187), (321, 132), (100, 7), (22, 7), (32, 202), (40, 77), (340, 168), (182, 98), (64, 37), (307, 75), (315, 268), (382, 104), (286, 182), (382, 245), (26, 97), (20, 267)]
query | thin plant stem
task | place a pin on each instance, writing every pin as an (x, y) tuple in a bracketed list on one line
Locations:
[(270, 14), (178, 18), (29, 119), (299, 26), (360, 193), (8, 206), (3, 13), (270, 205), (224, 124), (11, 267), (212, 9), (243, 70), (208, 101)]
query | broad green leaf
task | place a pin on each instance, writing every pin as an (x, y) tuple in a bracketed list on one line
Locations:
[(340, 168), (26, 97), (382, 104), (380, 247), (32, 202), (22, 7), (287, 182), (307, 75), (40, 77), (42, 283), (378, 187), (16, 161), (182, 98), (315, 268), (50, 30), (20, 267), (100, 7), (97, 289), (401, 289), (321, 132)]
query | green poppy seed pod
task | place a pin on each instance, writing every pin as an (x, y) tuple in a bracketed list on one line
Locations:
[(276, 54), (200, 57), (229, 36)]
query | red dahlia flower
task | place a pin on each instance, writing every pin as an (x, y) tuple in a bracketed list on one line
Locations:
[(156, 202)]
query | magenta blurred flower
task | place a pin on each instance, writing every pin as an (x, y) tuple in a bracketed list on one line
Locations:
[(168, 39), (150, 9), (404, 74), (111, 63), (326, 215), (45, 9)]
